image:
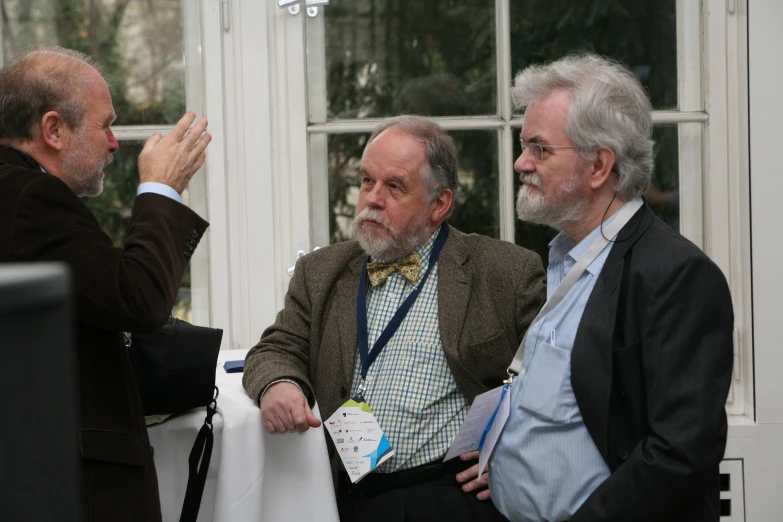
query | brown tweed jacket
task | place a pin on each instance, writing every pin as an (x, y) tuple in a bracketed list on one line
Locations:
[(116, 289), (488, 293)]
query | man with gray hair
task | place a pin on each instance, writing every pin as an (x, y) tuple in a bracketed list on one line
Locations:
[(55, 140), (472, 300), (617, 404)]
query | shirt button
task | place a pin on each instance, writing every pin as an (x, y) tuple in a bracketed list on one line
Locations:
[(623, 454), (522, 371)]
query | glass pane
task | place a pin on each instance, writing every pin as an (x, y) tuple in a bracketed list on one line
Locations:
[(345, 154), (138, 42), (477, 197), (113, 210), (662, 195), (639, 33), (382, 57)]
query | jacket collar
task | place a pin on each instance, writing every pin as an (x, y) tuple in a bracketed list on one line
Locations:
[(12, 156)]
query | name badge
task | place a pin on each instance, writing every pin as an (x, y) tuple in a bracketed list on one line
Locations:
[(358, 437)]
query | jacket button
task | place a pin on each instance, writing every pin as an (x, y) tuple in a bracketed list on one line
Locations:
[(194, 233), (343, 392), (623, 454)]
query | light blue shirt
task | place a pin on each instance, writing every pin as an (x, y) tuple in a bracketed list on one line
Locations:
[(158, 188), (545, 464)]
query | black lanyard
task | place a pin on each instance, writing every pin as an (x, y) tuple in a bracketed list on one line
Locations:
[(366, 356)]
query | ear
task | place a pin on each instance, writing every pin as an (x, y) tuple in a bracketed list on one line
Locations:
[(601, 169), (441, 205), (54, 130)]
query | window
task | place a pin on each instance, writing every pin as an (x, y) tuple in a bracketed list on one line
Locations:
[(148, 61), (455, 61)]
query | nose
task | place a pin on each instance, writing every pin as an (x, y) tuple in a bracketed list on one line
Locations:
[(524, 162), (374, 197), (114, 145)]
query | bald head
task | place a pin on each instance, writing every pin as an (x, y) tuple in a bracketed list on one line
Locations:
[(45, 79)]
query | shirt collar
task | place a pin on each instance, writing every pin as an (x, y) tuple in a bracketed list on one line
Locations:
[(562, 247)]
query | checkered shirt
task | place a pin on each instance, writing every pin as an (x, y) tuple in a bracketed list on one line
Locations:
[(410, 388)]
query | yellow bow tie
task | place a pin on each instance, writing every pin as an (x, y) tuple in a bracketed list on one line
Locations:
[(408, 267)]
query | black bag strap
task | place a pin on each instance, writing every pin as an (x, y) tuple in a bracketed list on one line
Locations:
[(197, 475)]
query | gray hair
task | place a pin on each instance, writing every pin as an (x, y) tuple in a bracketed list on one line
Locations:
[(440, 170), (609, 108), (47, 78)]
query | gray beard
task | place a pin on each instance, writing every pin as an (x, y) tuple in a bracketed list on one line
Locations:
[(533, 208), (76, 164), (393, 244)]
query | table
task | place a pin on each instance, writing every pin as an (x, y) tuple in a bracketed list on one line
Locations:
[(253, 476)]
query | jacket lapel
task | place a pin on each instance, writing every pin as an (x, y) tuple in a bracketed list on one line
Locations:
[(591, 356), (454, 284), (345, 300)]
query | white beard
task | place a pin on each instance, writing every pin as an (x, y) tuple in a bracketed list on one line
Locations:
[(77, 165), (567, 206), (393, 244)]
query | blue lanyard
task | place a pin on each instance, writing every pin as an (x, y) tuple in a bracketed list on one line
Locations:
[(367, 356)]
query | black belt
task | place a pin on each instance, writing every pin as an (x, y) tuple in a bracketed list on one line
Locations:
[(379, 482)]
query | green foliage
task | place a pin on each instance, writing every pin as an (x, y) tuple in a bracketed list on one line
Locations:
[(438, 58)]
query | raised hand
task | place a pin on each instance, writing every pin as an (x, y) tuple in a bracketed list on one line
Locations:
[(174, 158)]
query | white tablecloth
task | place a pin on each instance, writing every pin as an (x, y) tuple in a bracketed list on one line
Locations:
[(253, 476)]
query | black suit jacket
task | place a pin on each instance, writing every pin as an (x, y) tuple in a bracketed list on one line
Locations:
[(651, 369), (117, 289)]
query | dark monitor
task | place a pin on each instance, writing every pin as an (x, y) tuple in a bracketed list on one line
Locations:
[(40, 473)]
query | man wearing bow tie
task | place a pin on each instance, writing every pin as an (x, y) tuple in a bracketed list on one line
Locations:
[(473, 299)]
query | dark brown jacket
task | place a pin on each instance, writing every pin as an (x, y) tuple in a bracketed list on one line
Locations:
[(488, 293), (117, 289)]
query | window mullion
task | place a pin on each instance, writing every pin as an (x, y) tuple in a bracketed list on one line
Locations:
[(505, 137), (138, 132)]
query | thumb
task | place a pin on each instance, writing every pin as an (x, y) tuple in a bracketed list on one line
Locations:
[(152, 141), (311, 419)]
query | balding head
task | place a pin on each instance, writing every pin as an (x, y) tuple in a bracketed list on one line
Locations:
[(45, 79)]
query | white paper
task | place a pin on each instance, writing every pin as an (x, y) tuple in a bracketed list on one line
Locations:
[(358, 438), (469, 436), (494, 432)]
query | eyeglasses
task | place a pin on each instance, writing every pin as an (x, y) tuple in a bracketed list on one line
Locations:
[(537, 150)]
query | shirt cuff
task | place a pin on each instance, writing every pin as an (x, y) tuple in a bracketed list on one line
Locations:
[(277, 381), (158, 188)]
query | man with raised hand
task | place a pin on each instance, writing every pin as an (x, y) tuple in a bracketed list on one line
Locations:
[(55, 140)]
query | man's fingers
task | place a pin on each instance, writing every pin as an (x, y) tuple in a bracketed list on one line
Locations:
[(300, 420), (268, 426), (151, 141), (484, 495), (468, 474), (197, 151), (471, 455), (270, 423), (181, 127), (194, 134), (312, 420)]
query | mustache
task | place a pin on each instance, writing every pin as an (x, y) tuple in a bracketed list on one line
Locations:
[(109, 159), (373, 215), (532, 179)]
